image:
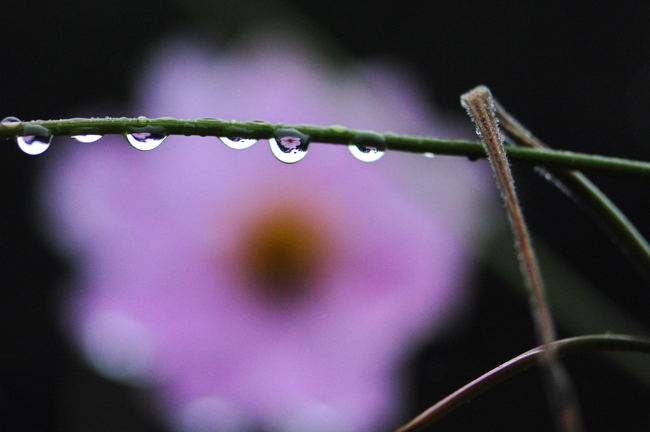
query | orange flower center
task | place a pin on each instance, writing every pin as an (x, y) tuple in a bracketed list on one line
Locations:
[(283, 254)]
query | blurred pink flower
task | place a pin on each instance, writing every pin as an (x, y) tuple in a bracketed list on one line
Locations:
[(249, 292)]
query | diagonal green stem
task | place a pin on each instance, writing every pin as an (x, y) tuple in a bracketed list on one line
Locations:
[(331, 135), (582, 190), (519, 364)]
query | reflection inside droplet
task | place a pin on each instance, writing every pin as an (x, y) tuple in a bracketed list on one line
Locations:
[(36, 139), (368, 146), (289, 145), (32, 145), (238, 143), (87, 138), (145, 141)]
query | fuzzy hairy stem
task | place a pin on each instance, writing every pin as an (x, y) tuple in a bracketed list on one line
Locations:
[(481, 109)]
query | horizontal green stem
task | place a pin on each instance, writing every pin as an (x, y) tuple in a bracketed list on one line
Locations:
[(519, 364), (331, 135)]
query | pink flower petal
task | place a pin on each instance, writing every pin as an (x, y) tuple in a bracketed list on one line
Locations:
[(163, 292)]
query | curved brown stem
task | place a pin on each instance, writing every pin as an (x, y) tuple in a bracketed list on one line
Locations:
[(519, 364)]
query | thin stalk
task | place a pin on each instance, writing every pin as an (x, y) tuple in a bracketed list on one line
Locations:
[(519, 364), (480, 107), (584, 192), (329, 135)]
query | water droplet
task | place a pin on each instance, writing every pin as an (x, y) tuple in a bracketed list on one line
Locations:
[(87, 138), (142, 120), (10, 122), (35, 139), (146, 138), (368, 146), (289, 145), (429, 155), (238, 143)]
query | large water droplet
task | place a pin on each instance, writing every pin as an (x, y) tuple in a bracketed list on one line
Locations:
[(368, 146), (429, 155), (238, 143), (146, 139), (10, 122), (35, 139), (87, 138), (289, 145)]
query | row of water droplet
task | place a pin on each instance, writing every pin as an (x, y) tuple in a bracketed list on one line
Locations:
[(287, 145)]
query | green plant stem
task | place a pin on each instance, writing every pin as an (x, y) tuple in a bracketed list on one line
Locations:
[(584, 192), (519, 364), (331, 135)]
